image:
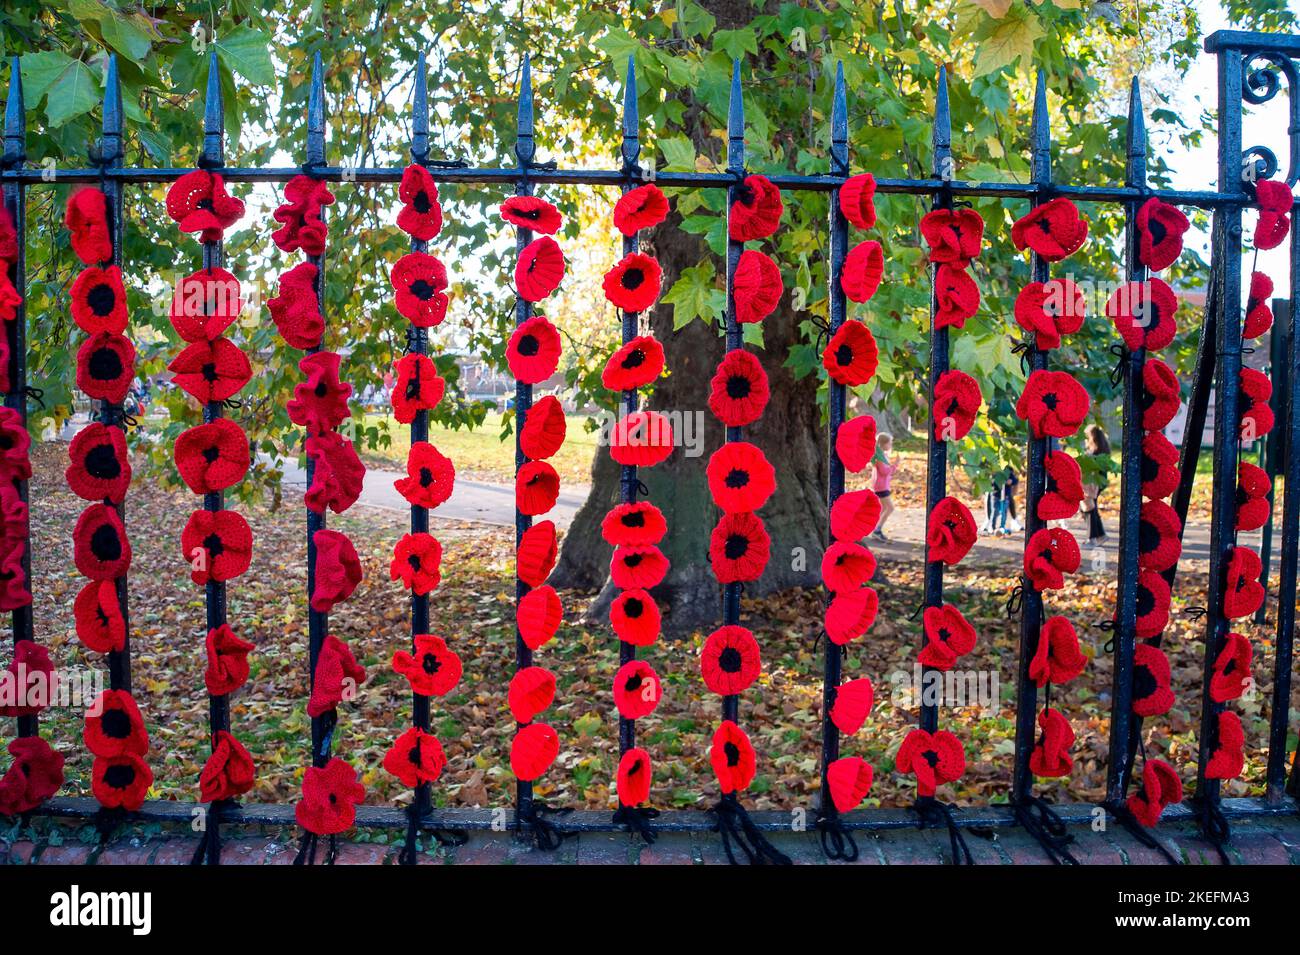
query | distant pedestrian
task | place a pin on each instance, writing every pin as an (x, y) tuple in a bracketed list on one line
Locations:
[(1097, 446), (883, 466)]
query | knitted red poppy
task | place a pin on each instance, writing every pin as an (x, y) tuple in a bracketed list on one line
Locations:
[(851, 356), (1228, 758), (212, 457), (13, 516), (732, 757), (1259, 314), (35, 775), (538, 616), (1161, 787), (86, 217), (636, 690), (950, 531), (1160, 233), (849, 781), (421, 215), (229, 772), (1160, 473), (636, 364), (296, 310), (13, 579), (420, 281), (935, 759), (1064, 491), (1053, 403), (1057, 657), (100, 469), (417, 563), (30, 667), (953, 235), (105, 367), (120, 782), (1051, 753), (330, 795), (99, 300), (739, 389), (854, 515), (757, 210), (535, 556), (633, 568), (540, 269), (1152, 695), (98, 616), (1256, 385), (338, 569), (430, 476), (1050, 554), (1253, 489), (211, 371), (9, 299), (1159, 536), (537, 488), (228, 667), (852, 705), (948, 636), (419, 387), (337, 473), (1048, 310), (532, 690), (1243, 594), (531, 212), (633, 282), (416, 758), (321, 402), (300, 215), (533, 750), (1275, 201), (204, 304), (739, 548), (1152, 604), (1232, 669), (533, 351), (850, 615), (641, 208), (855, 442), (433, 669), (100, 547), (1256, 420), (757, 287), (1054, 230), (642, 439), (8, 238), (730, 661), (544, 428), (957, 402), (198, 202), (1144, 314), (956, 296), (114, 726), (635, 617), (634, 525), (847, 565), (336, 678), (634, 777), (858, 200), (217, 544), (740, 477), (1160, 395)]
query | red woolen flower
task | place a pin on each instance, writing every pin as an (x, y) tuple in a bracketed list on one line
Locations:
[(34, 775), (757, 287), (1051, 554), (858, 200), (740, 477), (338, 569), (638, 568), (532, 690), (416, 758), (533, 750), (849, 780), (1255, 385), (114, 726), (9, 301), (1259, 314), (198, 202), (537, 488), (417, 560), (636, 690), (852, 705), (86, 217), (635, 617), (1152, 695), (1057, 657), (336, 678), (956, 296), (1256, 420), (533, 351), (957, 402), (1051, 753), (850, 615), (1227, 759), (633, 282), (934, 758), (854, 515), (8, 237), (1144, 313), (641, 439), (634, 525), (300, 215), (1253, 489), (535, 556), (1232, 669), (543, 430), (948, 636), (531, 212), (419, 387), (953, 235), (229, 771), (540, 269), (217, 544), (739, 389), (433, 669), (13, 579), (421, 215), (120, 782), (1275, 201), (864, 267), (211, 371), (31, 670), (15, 445), (1161, 787), (638, 363), (851, 356), (1160, 233), (98, 616), (228, 667), (296, 310), (1159, 536), (846, 566), (1064, 491), (100, 547), (321, 402), (855, 442), (634, 777), (430, 476), (1160, 473), (538, 616), (204, 304), (739, 548), (1152, 604), (211, 457), (641, 208), (100, 468), (1244, 593), (1160, 394), (730, 661), (950, 532), (1054, 230), (99, 300), (337, 473), (420, 283), (757, 210), (732, 757), (1048, 310), (1053, 403), (330, 795), (105, 367)]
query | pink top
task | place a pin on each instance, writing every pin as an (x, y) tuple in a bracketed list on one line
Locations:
[(884, 471)]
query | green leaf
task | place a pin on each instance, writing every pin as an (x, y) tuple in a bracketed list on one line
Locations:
[(247, 52), (1010, 40), (619, 45), (679, 153), (694, 296), (736, 43), (40, 71), (74, 92)]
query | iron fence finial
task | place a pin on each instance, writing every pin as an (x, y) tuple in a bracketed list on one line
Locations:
[(631, 119), (736, 122), (420, 111), (1041, 134), (942, 138), (525, 148), (316, 114), (214, 123), (15, 148)]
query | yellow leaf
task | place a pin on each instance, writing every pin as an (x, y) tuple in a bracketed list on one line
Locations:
[(997, 9), (1012, 39)]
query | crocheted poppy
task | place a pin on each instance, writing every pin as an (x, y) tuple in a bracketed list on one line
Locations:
[(1152, 604), (956, 296), (533, 750), (1143, 314), (1244, 594), (1255, 384), (1161, 787), (1256, 420), (1259, 315), (336, 677), (30, 670), (1160, 473), (212, 457), (296, 310), (854, 515), (1253, 489), (636, 524), (537, 488), (855, 442), (34, 775), (533, 351), (229, 771), (13, 579), (757, 286), (1275, 200), (300, 214), (421, 215), (846, 566), (1160, 395), (9, 300), (851, 356), (218, 545), (1160, 233), (1232, 669), (1053, 403), (1227, 759), (633, 282), (99, 300), (641, 208), (739, 548), (732, 757), (540, 269), (337, 473), (13, 516), (634, 777), (204, 304), (100, 469), (948, 636), (1152, 695), (636, 690), (536, 553), (849, 781), (953, 235), (739, 390), (635, 617), (1050, 554), (531, 212), (850, 615), (86, 217), (730, 661), (1054, 230), (198, 202), (852, 705), (433, 669), (641, 439), (638, 568), (1064, 491), (330, 795), (120, 782), (544, 428), (1159, 536), (756, 212), (416, 758), (858, 200), (105, 367), (417, 560), (957, 401), (1057, 657), (419, 387), (98, 616), (321, 402), (638, 363), (8, 237), (1048, 310), (228, 667), (430, 476), (338, 569), (538, 616), (1051, 753), (950, 531), (211, 371), (420, 281), (740, 477), (935, 758), (114, 726), (532, 690), (100, 547)]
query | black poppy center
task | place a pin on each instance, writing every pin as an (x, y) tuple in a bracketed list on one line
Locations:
[(633, 607), (431, 664), (729, 660), (119, 775), (102, 463), (211, 454), (529, 346), (101, 299), (737, 478), (209, 371), (426, 477), (736, 547), (633, 683), (421, 202), (844, 355), (738, 386), (732, 752), (932, 757), (422, 290), (105, 365), (1050, 400), (634, 359), (1151, 470), (633, 278), (1148, 537), (634, 519), (633, 560), (414, 561), (1157, 230), (116, 724), (105, 544), (1144, 682), (1146, 601), (214, 545)]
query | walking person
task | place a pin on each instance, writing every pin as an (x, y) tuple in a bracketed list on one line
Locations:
[(883, 466), (1097, 446)]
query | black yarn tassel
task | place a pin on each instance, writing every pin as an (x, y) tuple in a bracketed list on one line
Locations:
[(637, 821), (1139, 831), (545, 835), (410, 853), (1214, 826), (734, 824), (208, 851), (1037, 817), (307, 850), (837, 841), (934, 814)]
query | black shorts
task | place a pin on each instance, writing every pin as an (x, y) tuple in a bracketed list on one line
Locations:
[(882, 494)]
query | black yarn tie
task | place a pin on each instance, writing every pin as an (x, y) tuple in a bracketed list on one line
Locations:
[(1023, 349), (1138, 831), (1113, 627), (35, 394), (208, 851), (447, 163), (102, 159), (933, 814), (1016, 600), (637, 821), (1121, 364), (1195, 612), (545, 834), (409, 854), (917, 612), (734, 823), (307, 850), (1037, 817), (641, 488), (1214, 826), (837, 841), (312, 169), (234, 404)]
